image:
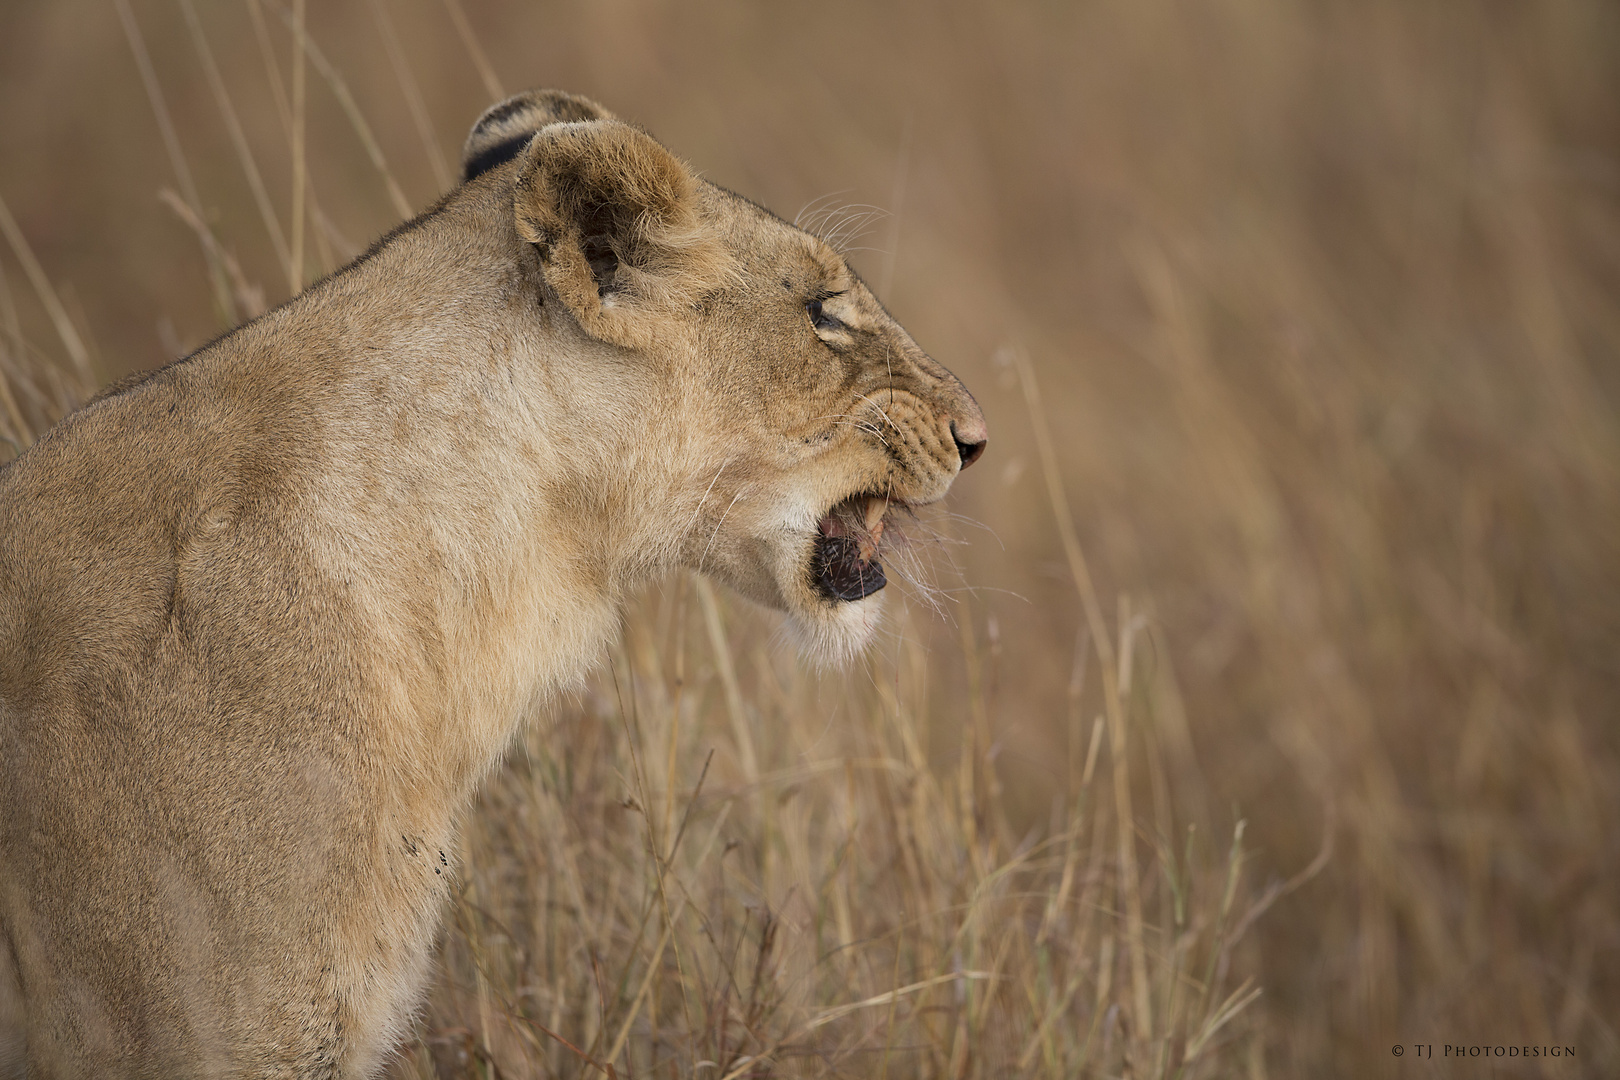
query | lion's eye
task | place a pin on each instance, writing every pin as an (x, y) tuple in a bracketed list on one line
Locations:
[(820, 319)]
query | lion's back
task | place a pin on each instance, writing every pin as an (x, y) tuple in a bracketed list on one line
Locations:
[(149, 672)]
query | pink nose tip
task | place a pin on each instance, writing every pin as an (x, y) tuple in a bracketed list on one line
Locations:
[(970, 435)]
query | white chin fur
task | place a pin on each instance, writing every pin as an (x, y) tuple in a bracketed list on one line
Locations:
[(827, 634), (831, 636)]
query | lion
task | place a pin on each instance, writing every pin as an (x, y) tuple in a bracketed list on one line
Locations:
[(270, 613)]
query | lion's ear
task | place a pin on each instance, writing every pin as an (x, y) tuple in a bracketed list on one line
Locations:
[(617, 223), (506, 128)]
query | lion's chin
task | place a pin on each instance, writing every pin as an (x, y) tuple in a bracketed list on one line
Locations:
[(836, 603), (831, 635), (823, 573)]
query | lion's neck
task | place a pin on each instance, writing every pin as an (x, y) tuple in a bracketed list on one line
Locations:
[(488, 508)]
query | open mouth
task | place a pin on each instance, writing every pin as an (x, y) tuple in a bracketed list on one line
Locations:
[(845, 564)]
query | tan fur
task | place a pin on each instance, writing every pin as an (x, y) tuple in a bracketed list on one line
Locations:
[(267, 615)]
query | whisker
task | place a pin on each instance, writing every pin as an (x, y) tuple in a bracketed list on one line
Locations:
[(702, 558), (848, 420), (874, 404), (839, 226), (814, 207), (705, 498)]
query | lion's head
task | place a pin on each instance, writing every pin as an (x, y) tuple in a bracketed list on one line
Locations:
[(805, 420)]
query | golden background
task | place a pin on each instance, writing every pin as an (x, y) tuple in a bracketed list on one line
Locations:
[(1323, 304)]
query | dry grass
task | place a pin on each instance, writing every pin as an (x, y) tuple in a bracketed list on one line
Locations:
[(1321, 301), (814, 899)]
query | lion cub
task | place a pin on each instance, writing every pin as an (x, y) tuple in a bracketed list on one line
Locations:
[(269, 613)]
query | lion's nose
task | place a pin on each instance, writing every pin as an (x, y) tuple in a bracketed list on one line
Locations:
[(970, 435)]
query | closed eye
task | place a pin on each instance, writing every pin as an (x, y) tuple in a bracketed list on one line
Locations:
[(819, 318)]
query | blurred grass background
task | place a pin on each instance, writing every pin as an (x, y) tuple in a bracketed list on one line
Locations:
[(1321, 301)]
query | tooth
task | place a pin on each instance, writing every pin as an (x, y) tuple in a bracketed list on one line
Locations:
[(872, 530), (875, 509)]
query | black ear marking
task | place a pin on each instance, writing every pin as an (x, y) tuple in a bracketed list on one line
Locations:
[(505, 128), (504, 111), (499, 154)]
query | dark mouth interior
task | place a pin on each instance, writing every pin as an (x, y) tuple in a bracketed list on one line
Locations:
[(845, 565)]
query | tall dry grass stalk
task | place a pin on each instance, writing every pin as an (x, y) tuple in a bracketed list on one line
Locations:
[(649, 894), (1286, 660)]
